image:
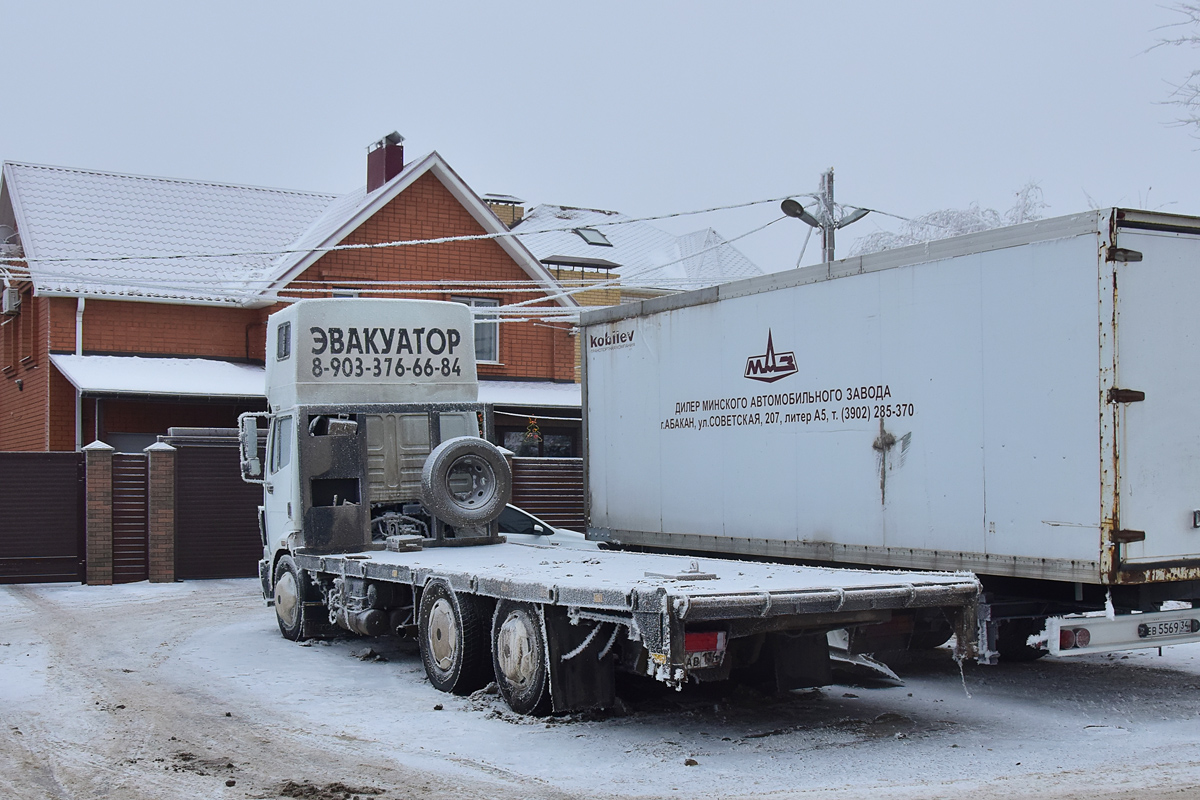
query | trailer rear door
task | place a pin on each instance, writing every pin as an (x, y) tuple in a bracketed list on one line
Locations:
[(1157, 443)]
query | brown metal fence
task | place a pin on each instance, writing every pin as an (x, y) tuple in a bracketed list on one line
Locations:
[(550, 488), (41, 517), (130, 536), (216, 513)]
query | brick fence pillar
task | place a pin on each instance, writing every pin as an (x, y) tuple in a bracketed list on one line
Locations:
[(98, 458), (160, 511)]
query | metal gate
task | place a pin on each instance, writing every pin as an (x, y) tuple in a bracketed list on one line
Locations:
[(130, 539), (216, 513), (550, 488), (41, 517)]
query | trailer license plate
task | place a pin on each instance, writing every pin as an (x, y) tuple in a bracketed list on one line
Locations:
[(705, 659), (1174, 627)]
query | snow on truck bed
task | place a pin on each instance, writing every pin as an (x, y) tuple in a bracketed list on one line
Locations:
[(601, 578)]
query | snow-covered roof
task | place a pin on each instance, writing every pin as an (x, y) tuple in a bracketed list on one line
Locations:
[(646, 255), (543, 394), (89, 232), (105, 234), (202, 377), (174, 377)]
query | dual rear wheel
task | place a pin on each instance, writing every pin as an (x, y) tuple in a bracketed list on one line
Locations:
[(455, 647)]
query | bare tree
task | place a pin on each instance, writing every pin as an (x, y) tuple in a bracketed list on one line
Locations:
[(948, 222), (1185, 95)]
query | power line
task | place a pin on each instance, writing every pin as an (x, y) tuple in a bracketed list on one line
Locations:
[(396, 243), (618, 281)]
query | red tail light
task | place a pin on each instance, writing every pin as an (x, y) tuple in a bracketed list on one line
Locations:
[(1070, 638)]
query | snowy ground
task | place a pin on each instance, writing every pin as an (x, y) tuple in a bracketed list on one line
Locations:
[(187, 690)]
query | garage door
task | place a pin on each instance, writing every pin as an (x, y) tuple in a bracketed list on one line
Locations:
[(41, 517)]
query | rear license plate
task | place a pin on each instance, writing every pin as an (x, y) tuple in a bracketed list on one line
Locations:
[(1174, 627), (705, 659)]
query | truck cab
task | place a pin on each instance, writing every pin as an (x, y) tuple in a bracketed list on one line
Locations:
[(361, 394)]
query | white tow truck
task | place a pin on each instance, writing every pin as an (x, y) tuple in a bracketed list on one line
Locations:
[(379, 517)]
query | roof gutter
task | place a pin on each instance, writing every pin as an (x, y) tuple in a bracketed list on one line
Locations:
[(80, 302), (242, 302)]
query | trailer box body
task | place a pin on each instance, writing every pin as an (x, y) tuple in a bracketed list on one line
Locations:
[(1021, 402)]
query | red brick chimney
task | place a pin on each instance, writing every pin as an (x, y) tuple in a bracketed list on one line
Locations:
[(385, 160)]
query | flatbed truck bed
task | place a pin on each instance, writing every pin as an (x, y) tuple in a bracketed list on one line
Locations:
[(656, 600)]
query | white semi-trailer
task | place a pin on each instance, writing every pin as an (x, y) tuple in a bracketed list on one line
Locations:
[(379, 518), (1022, 403)]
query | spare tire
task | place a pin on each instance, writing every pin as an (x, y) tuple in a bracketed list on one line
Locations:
[(466, 481)]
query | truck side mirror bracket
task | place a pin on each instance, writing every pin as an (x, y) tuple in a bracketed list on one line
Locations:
[(248, 447)]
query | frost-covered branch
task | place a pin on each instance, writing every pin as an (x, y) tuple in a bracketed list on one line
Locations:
[(1186, 94), (949, 222)]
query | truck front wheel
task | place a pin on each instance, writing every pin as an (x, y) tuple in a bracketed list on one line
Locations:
[(451, 630), (519, 658), (290, 596)]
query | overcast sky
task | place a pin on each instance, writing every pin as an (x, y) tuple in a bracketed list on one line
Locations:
[(647, 108)]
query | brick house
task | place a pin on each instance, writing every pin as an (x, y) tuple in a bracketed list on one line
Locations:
[(134, 304)]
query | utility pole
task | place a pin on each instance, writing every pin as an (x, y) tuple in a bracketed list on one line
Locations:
[(826, 216), (827, 228)]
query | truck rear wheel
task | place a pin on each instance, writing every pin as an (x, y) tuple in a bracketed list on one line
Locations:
[(519, 658), (290, 596), (451, 631)]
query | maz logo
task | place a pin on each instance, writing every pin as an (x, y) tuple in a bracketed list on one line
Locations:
[(770, 366)]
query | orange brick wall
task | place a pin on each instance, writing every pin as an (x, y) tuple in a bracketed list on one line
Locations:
[(122, 328), (23, 408), (427, 210), (61, 416)]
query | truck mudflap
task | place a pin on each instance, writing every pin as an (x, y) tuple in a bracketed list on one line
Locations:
[(1080, 635)]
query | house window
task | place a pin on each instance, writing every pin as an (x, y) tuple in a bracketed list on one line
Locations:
[(593, 236), (487, 328)]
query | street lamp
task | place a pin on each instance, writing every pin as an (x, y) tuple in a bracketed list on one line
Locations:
[(825, 218)]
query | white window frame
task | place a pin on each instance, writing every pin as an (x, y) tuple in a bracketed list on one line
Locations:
[(487, 329), (593, 237)]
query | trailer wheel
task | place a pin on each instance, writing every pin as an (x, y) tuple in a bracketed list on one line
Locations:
[(290, 594), (451, 630), (466, 481), (519, 658)]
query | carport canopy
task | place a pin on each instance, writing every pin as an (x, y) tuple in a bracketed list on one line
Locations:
[(202, 378), (115, 376)]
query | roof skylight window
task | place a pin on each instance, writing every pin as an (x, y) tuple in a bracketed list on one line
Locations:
[(593, 236)]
